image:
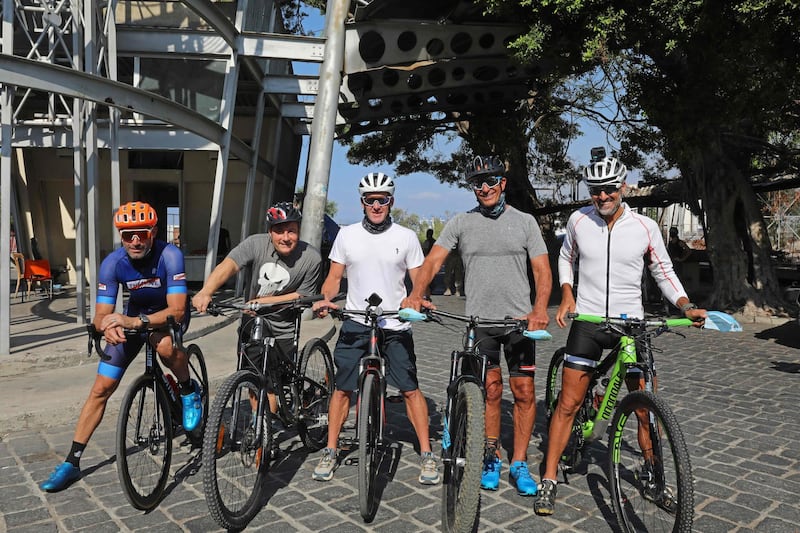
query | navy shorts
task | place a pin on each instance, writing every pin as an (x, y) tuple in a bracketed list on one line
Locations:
[(117, 357), (520, 351), (396, 346)]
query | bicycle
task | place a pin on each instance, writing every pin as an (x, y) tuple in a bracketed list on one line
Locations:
[(463, 424), (649, 468), (370, 407), (150, 416), (239, 437)]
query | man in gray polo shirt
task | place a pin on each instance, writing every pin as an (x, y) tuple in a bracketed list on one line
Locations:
[(497, 244)]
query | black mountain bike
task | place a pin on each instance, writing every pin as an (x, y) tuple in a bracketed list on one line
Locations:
[(649, 470), (238, 442), (463, 424), (150, 416), (371, 408)]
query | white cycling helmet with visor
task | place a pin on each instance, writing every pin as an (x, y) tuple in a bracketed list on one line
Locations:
[(607, 171)]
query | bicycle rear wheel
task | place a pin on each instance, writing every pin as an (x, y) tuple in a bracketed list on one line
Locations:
[(649, 468), (315, 389), (236, 452), (144, 442), (199, 373), (462, 471), (369, 420)]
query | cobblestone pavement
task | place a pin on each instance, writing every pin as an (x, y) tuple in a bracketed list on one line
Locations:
[(735, 395)]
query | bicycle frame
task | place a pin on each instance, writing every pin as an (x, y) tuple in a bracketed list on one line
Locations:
[(622, 358), (151, 366)]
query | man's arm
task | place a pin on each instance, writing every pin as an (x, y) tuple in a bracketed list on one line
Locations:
[(542, 275), (330, 288), (218, 277), (423, 276)]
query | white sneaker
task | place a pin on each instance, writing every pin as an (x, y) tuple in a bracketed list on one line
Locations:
[(326, 465)]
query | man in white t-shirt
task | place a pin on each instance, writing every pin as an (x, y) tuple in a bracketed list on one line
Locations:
[(376, 254)]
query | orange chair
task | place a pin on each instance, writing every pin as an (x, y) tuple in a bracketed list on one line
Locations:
[(19, 262), (38, 270)]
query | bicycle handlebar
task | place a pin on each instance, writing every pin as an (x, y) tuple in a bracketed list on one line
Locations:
[(629, 321), (95, 335), (215, 308), (412, 315)]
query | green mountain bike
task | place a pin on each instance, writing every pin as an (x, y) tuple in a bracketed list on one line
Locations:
[(649, 470)]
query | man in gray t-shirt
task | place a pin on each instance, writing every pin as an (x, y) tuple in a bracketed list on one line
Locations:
[(282, 267), (498, 244)]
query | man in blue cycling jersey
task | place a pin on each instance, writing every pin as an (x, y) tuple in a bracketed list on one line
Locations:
[(153, 273), (610, 241), (498, 245)]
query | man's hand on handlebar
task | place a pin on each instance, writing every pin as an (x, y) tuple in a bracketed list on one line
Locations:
[(200, 301), (114, 325), (322, 307), (417, 303)]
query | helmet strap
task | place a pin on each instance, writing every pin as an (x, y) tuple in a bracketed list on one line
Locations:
[(496, 210), (376, 228)]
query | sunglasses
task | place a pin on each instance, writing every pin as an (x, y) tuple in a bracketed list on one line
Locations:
[(608, 189), (128, 235), (489, 181), (381, 200)]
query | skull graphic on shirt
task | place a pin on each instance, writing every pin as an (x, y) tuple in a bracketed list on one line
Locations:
[(272, 278)]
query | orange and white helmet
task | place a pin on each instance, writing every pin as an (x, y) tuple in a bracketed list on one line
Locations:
[(135, 215)]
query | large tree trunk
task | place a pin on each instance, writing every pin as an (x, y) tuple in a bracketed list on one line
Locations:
[(736, 236)]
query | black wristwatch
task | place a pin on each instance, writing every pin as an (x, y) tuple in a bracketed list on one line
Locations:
[(145, 321), (688, 306)]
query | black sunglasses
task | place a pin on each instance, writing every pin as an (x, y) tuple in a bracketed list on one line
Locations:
[(489, 181), (382, 200), (608, 189)]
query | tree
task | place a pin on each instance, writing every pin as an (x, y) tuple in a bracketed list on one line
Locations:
[(717, 86)]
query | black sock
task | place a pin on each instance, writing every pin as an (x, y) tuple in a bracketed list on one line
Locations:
[(75, 453), (186, 387)]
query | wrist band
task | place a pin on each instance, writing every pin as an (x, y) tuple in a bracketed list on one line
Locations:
[(688, 306)]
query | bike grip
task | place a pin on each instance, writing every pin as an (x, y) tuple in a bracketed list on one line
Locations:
[(538, 335), (411, 315), (594, 319)]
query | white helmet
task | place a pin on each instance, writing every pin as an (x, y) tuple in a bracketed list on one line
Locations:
[(607, 171), (376, 182)]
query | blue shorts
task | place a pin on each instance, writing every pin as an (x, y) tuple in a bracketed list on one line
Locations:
[(117, 357), (520, 351), (397, 348)]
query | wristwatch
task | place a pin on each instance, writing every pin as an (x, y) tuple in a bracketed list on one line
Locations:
[(145, 321), (688, 306)]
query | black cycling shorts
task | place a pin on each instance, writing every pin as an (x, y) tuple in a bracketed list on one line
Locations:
[(520, 351), (396, 346)]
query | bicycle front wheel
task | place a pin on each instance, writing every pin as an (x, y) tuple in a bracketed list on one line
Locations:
[(462, 471), (649, 469), (315, 389), (369, 420), (236, 452), (553, 385), (199, 373), (144, 442)]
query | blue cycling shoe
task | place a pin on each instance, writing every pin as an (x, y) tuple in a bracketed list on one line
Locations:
[(192, 408), (490, 478), (61, 478), (521, 479)]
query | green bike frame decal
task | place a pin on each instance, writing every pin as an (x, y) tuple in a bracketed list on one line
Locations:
[(617, 442), (627, 347)]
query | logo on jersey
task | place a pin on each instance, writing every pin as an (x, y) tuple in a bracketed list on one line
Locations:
[(272, 278), (101, 286), (179, 277), (150, 283)]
